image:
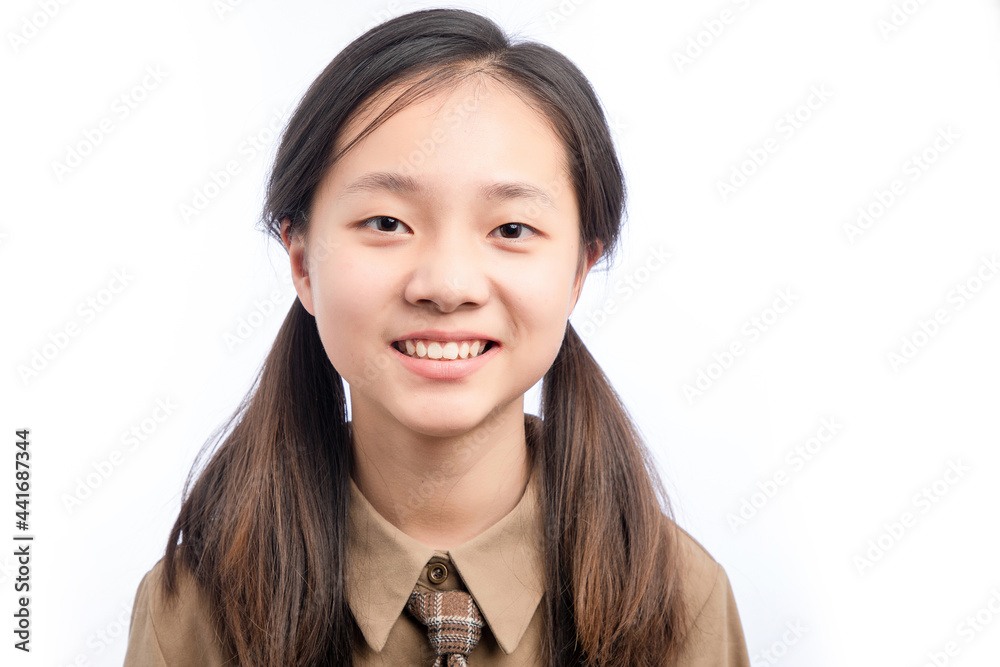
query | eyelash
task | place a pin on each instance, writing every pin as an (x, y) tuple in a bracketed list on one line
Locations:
[(520, 225)]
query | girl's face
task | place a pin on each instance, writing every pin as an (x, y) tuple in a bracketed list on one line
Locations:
[(452, 224)]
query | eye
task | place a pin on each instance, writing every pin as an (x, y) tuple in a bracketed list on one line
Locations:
[(511, 230), (383, 223)]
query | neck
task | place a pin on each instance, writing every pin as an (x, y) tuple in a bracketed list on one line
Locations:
[(442, 491)]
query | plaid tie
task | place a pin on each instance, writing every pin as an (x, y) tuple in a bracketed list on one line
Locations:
[(453, 624)]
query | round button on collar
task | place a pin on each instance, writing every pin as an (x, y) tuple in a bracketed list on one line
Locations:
[(437, 573)]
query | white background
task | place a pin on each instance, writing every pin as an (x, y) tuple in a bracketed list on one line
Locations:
[(682, 127)]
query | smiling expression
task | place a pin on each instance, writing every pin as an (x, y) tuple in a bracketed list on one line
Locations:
[(451, 229)]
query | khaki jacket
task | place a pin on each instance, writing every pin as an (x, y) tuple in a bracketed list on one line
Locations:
[(502, 569)]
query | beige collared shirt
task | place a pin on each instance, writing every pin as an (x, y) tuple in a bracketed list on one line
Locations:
[(501, 568)]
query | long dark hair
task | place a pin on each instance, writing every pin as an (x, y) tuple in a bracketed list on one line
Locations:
[(264, 527)]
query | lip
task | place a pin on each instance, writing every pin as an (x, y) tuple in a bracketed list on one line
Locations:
[(438, 334), (455, 369)]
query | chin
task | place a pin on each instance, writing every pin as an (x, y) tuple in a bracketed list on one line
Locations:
[(454, 423), (445, 419)]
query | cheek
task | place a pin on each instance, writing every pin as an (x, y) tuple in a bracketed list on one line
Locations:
[(544, 289), (347, 297), (542, 296)]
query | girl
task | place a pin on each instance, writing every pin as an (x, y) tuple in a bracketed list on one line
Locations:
[(442, 194)]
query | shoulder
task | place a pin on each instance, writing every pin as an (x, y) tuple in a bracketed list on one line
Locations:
[(171, 630), (713, 634)]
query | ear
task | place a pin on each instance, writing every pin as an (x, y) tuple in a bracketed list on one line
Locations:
[(594, 252), (296, 246)]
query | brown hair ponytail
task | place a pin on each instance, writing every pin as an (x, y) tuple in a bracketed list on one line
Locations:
[(613, 589), (264, 528)]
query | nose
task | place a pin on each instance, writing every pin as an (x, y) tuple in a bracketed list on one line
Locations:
[(449, 274)]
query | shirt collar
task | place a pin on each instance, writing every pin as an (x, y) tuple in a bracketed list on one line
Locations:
[(502, 567)]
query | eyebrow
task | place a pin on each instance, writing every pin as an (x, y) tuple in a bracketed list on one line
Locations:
[(402, 184)]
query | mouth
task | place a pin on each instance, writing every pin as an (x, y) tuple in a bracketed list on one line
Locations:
[(439, 350)]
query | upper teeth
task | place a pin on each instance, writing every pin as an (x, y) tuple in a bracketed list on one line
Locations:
[(432, 349)]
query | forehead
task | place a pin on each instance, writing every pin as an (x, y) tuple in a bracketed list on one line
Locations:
[(475, 108)]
